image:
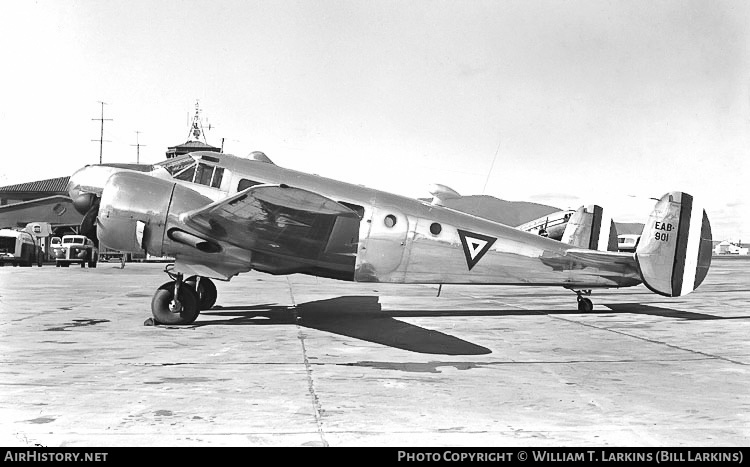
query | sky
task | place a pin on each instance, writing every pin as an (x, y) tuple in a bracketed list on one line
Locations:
[(565, 103)]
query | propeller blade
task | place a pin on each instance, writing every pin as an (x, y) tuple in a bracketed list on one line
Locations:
[(88, 224)]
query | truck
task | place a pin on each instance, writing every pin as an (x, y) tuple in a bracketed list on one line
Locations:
[(628, 242), (19, 248), (75, 249)]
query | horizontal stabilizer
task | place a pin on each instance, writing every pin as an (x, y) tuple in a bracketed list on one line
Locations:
[(590, 228), (674, 253)]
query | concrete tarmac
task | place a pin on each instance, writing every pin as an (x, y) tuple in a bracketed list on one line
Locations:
[(303, 361)]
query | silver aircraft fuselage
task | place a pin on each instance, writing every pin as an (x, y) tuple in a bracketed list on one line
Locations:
[(399, 239)]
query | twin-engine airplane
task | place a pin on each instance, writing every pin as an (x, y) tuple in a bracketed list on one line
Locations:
[(219, 215)]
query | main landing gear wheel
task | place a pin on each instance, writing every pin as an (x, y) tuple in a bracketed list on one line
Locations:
[(206, 290), (167, 310), (585, 305)]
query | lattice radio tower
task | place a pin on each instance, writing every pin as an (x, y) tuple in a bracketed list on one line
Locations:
[(138, 148), (101, 134)]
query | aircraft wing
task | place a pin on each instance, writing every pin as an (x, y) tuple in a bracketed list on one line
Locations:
[(279, 220), (56, 210)]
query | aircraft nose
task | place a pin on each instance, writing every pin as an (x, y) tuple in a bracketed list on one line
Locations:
[(86, 184), (74, 183)]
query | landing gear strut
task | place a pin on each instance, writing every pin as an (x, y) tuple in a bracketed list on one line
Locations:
[(179, 302), (584, 304)]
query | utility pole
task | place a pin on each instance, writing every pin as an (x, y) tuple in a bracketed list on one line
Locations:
[(101, 134), (138, 148)]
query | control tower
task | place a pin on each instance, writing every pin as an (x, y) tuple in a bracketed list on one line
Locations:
[(194, 142)]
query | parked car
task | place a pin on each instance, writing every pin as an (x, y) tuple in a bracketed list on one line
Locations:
[(19, 248), (75, 249)]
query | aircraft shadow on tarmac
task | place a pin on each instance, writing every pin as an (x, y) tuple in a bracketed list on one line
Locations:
[(360, 317), (363, 318)]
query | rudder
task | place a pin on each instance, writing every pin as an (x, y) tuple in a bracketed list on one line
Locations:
[(674, 253)]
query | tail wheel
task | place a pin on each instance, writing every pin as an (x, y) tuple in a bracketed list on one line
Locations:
[(205, 289), (168, 311)]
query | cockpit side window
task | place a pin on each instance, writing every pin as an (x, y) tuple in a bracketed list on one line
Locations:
[(218, 175), (186, 174), (187, 169), (203, 174)]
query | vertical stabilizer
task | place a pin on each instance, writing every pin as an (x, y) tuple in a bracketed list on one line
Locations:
[(674, 253)]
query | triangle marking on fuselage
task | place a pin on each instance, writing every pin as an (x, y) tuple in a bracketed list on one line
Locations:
[(475, 246)]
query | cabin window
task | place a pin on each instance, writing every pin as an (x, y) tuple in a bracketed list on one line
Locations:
[(354, 207), (390, 220), (245, 184), (436, 228)]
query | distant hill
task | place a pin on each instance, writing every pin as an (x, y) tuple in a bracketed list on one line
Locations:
[(515, 213)]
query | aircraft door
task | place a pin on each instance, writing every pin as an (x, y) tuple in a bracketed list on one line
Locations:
[(383, 249)]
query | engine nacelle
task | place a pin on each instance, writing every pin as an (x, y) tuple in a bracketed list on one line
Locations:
[(135, 210)]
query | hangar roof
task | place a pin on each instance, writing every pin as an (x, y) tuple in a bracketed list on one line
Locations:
[(51, 185), (196, 144)]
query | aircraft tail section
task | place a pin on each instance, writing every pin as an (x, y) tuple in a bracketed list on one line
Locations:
[(674, 253), (590, 228)]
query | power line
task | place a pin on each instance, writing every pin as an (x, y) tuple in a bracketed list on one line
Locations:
[(101, 134), (489, 173), (492, 166)]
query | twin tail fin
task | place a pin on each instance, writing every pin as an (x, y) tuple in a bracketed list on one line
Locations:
[(591, 228), (674, 253)]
